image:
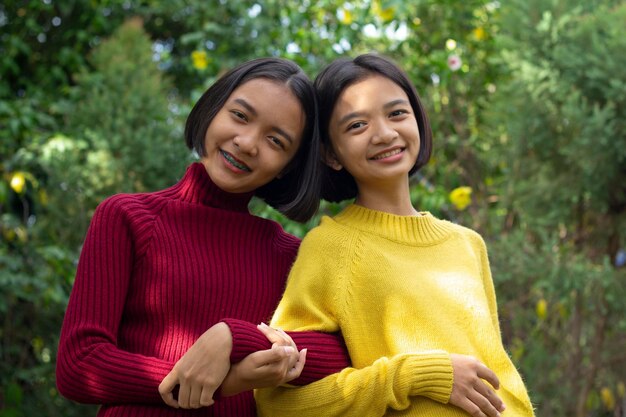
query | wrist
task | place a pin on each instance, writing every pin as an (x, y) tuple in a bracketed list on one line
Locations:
[(225, 336), (232, 383)]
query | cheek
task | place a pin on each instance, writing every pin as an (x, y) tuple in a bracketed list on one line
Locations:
[(277, 165)]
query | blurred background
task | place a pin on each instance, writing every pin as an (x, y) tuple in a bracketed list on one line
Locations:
[(527, 99)]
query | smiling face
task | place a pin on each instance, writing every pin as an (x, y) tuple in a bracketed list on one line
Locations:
[(253, 136), (374, 133)]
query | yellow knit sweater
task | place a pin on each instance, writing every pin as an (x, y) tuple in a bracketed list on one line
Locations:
[(405, 292)]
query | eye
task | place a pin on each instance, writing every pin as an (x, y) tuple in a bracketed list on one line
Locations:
[(356, 125), (276, 142), (239, 115), (399, 112)]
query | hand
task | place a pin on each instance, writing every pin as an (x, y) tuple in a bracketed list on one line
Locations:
[(469, 390), (267, 368), (280, 338), (200, 371)]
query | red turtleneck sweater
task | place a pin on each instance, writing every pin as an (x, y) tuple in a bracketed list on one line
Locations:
[(155, 272)]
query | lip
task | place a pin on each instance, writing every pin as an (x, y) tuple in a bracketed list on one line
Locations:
[(388, 155), (233, 163)]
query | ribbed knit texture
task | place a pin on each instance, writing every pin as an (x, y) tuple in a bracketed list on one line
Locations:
[(405, 292), (155, 272), (329, 351)]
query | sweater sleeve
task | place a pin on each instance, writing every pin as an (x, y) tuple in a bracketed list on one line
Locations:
[(326, 352), (91, 368), (314, 301), (387, 383)]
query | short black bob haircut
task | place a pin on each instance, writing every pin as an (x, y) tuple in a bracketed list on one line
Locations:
[(287, 194), (331, 82)]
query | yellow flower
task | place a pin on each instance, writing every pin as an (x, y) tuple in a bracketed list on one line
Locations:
[(461, 197), (450, 44), (18, 182), (542, 309), (200, 60), (385, 14), (43, 197), (346, 16), (607, 398), (621, 389), (9, 235), (21, 234), (479, 33)]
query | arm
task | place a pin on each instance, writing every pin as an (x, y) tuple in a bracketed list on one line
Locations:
[(90, 366), (205, 368), (388, 382), (326, 352)]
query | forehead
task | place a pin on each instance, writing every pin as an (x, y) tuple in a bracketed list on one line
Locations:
[(258, 88), (371, 91)]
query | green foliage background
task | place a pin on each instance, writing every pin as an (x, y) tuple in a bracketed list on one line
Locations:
[(94, 94)]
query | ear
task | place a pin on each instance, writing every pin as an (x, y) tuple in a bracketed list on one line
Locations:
[(330, 159)]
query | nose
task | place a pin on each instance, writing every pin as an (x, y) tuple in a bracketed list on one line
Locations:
[(246, 143), (384, 133)]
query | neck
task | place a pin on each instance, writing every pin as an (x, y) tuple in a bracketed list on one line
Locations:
[(394, 198)]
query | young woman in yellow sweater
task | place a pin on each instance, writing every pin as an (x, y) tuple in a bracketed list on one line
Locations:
[(412, 295)]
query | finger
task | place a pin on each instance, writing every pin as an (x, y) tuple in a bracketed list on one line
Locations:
[(272, 334), (166, 388), (286, 358), (471, 408), (263, 357), (183, 395), (290, 355), (287, 354), (491, 396), (206, 398), (295, 372), (488, 375), (483, 404), (194, 396), (287, 338)]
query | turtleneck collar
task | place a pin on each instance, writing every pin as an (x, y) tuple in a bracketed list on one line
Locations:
[(197, 187), (420, 230)]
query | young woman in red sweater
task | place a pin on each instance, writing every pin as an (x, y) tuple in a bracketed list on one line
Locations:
[(160, 271)]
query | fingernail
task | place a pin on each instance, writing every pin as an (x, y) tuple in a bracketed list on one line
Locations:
[(288, 349), (263, 324)]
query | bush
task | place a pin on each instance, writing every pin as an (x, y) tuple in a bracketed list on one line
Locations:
[(119, 135)]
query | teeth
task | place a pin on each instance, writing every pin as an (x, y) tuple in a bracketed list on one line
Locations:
[(388, 154), (230, 159)]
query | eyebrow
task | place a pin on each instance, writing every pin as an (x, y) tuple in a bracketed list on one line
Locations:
[(386, 106), (245, 104), (283, 133), (349, 116), (252, 110), (394, 103)]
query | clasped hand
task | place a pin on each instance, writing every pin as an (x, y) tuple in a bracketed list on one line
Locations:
[(206, 367), (469, 390)]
